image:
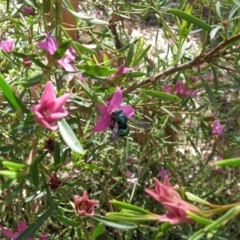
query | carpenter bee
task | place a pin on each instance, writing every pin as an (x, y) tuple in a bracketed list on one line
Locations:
[(120, 127)]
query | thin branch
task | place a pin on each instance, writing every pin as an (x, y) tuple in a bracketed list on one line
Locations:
[(195, 62)]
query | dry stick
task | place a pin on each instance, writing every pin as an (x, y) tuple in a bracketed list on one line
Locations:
[(195, 62)]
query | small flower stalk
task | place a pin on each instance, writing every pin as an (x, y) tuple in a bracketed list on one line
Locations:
[(50, 108), (84, 206), (170, 198)]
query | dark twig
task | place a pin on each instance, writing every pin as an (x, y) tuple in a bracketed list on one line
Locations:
[(208, 57)]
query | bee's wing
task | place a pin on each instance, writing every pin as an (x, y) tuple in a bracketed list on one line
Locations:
[(141, 124), (114, 136)]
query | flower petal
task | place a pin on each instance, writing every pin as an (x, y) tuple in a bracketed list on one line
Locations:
[(60, 101), (22, 226), (116, 101), (50, 45), (103, 123), (48, 94), (129, 111), (102, 109)]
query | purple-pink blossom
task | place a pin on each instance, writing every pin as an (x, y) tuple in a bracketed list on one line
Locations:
[(50, 108), (166, 88), (66, 62), (115, 103), (217, 128), (121, 70), (163, 172), (84, 206), (27, 10), (7, 46), (54, 182), (14, 234), (170, 198), (27, 62)]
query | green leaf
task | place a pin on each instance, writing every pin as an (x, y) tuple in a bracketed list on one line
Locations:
[(29, 232), (130, 55), (230, 215), (67, 221), (214, 31), (211, 96), (160, 95), (99, 230), (125, 217), (142, 55), (11, 97), (89, 19), (97, 70), (30, 82), (228, 162), (218, 9), (12, 165), (17, 22), (35, 174), (191, 19), (197, 199), (129, 206), (199, 219), (62, 49), (69, 137), (133, 74), (237, 2), (92, 94), (11, 174), (57, 158), (85, 48), (113, 224)]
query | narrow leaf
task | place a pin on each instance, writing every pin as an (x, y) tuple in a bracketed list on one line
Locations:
[(69, 137), (29, 232), (191, 19), (160, 95), (99, 230), (113, 224), (10, 96), (228, 162)]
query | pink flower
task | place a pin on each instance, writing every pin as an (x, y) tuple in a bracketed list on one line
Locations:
[(217, 128), (54, 182), (170, 42), (115, 103), (163, 172), (7, 46), (28, 10), (44, 236), (27, 62), (131, 178), (14, 234), (51, 46), (50, 108), (84, 206), (170, 198), (166, 88), (180, 88), (121, 70)]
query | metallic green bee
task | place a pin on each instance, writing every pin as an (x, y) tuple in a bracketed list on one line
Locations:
[(120, 127)]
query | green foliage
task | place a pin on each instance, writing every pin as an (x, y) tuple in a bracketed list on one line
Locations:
[(183, 78)]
